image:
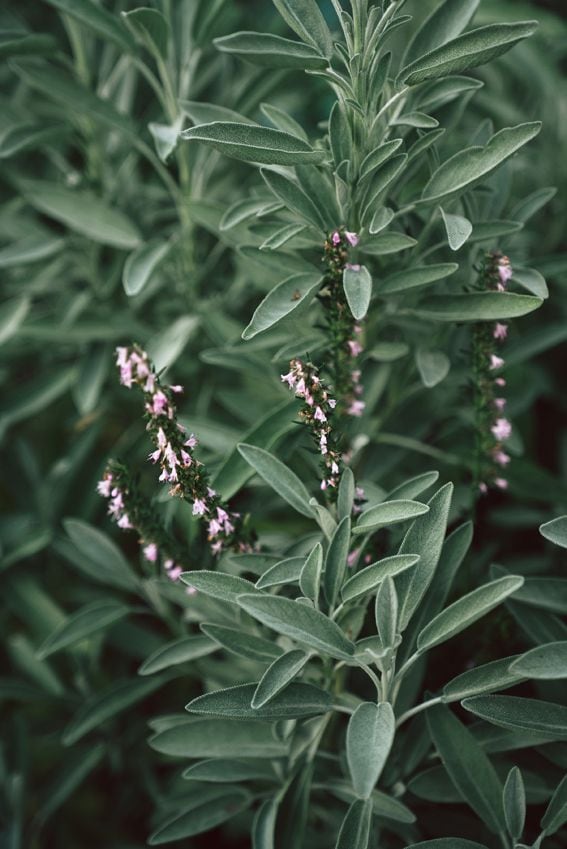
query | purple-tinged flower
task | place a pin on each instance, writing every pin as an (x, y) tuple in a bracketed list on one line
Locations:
[(483, 487), (177, 388), (352, 238), (501, 429), (352, 266), (288, 378), (496, 362), (501, 458), (191, 442), (504, 271), (300, 387), (104, 487), (150, 552), (500, 330), (500, 381), (319, 415), (355, 348), (124, 522), (155, 455), (500, 403), (352, 557), (214, 528), (501, 483), (356, 408), (199, 507), (336, 238), (332, 403)]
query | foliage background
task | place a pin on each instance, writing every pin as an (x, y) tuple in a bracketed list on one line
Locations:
[(62, 413)]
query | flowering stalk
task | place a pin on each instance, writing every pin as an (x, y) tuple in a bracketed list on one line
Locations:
[(343, 330), (174, 453), (316, 411), (492, 426), (131, 511)]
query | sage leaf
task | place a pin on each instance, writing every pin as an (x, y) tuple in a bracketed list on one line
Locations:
[(90, 619), (150, 28), (514, 802), (544, 718), (238, 642), (470, 770), (252, 143), (496, 675), (209, 807), (467, 51), (141, 264), (556, 813), (264, 824), (445, 23), (271, 51), (222, 770), (412, 278), (477, 306), (386, 243), (377, 156), (300, 622), (357, 285), (218, 738), (305, 19), (282, 300), (218, 585), (389, 513), (433, 366), (296, 701), (386, 613), (413, 486), (372, 576), (468, 166), (555, 531), (103, 553), (278, 676), (279, 477), (294, 197), (336, 561), (283, 572), (543, 662), (176, 652), (458, 229), (310, 577), (370, 735), (96, 18), (467, 610), (355, 828), (424, 537)]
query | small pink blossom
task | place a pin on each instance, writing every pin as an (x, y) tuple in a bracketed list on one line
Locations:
[(288, 378), (191, 442), (500, 330), (332, 403), (150, 552), (500, 403), (124, 522), (155, 455), (319, 415), (199, 507), (334, 467), (353, 266), (211, 492), (121, 356), (352, 238), (501, 483), (300, 388), (323, 443), (496, 362), (177, 388), (500, 381), (352, 557), (185, 458), (214, 528), (159, 403), (336, 238), (355, 348), (501, 429), (161, 439), (501, 458), (104, 486), (483, 488), (356, 408), (504, 272)]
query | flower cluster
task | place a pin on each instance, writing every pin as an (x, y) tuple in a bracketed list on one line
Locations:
[(173, 451), (131, 511), (317, 408), (344, 332), (493, 428)]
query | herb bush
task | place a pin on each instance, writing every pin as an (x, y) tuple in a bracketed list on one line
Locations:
[(332, 620)]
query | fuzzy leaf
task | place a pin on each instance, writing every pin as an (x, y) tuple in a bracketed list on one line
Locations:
[(176, 652), (296, 701), (219, 738), (209, 807), (278, 676), (310, 577), (372, 576), (514, 801), (294, 197), (487, 678), (304, 18), (433, 366), (412, 278), (477, 306), (282, 300), (252, 143), (544, 718), (218, 585), (389, 513), (279, 477), (141, 264), (355, 828), (90, 619), (458, 229), (544, 662), (357, 284), (271, 51), (238, 642), (467, 51), (300, 622), (370, 735), (556, 813), (445, 23), (555, 531)]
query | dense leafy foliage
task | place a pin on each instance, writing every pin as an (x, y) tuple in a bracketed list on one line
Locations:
[(332, 223)]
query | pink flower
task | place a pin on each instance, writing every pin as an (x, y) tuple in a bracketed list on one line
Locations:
[(121, 356), (351, 559), (300, 388), (151, 552), (355, 348), (500, 403), (150, 383), (199, 507), (500, 331), (228, 527), (483, 488), (336, 238), (185, 458), (159, 403), (211, 492), (124, 522), (356, 408), (501, 458), (177, 389), (496, 362), (191, 442), (126, 375), (501, 429), (155, 455), (504, 272), (214, 527), (352, 238), (288, 378), (332, 403), (222, 515), (358, 492), (500, 381), (319, 415), (353, 266), (192, 590), (334, 468), (323, 443), (324, 485), (501, 483), (161, 439), (174, 573), (104, 486), (216, 548), (309, 400)]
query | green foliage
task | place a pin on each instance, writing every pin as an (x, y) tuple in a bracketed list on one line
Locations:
[(234, 186)]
